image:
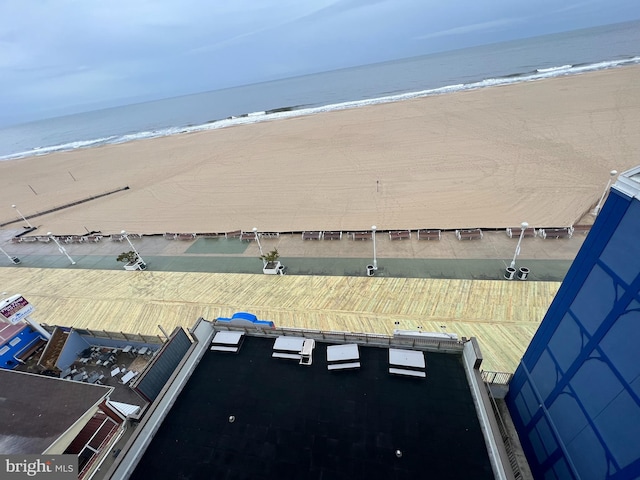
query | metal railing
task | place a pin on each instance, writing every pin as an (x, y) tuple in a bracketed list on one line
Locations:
[(502, 428), (429, 344), (496, 378)]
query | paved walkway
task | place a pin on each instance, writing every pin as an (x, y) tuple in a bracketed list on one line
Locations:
[(448, 258)]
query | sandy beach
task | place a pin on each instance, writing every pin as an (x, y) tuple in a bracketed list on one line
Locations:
[(539, 152)]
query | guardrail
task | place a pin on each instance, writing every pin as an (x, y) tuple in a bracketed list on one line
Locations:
[(428, 344), (496, 378)]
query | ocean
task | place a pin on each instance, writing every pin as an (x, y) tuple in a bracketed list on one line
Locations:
[(568, 53)]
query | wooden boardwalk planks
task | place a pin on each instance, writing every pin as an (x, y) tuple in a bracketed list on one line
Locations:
[(503, 315)]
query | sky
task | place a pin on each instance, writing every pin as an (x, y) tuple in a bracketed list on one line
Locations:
[(66, 56)]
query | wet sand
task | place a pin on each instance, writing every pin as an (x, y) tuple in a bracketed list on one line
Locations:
[(539, 152)]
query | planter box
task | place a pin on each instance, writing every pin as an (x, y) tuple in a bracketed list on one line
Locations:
[(271, 268), (137, 265)]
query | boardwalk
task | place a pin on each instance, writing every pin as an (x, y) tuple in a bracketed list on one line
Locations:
[(503, 315)]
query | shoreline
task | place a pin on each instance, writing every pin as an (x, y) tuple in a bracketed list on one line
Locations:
[(535, 151)]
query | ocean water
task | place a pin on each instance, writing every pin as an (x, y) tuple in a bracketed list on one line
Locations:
[(569, 53)]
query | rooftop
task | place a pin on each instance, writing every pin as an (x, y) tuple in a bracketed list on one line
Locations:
[(294, 421), (29, 421)]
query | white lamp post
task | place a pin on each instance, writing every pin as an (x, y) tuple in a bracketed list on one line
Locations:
[(373, 235), (255, 233), (126, 236), (523, 227), (612, 175), (60, 247), (21, 216)]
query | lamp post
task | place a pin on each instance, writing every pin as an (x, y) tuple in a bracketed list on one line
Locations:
[(21, 216), (523, 227), (14, 260), (126, 236), (60, 247), (612, 175), (373, 235), (255, 233)]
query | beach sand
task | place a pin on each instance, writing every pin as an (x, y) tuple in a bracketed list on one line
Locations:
[(539, 152)]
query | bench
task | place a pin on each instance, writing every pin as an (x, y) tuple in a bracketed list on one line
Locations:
[(93, 238), (269, 234), (429, 235), (409, 373), (117, 238), (332, 236), (186, 236), (248, 236), (515, 232), (361, 235), (234, 234), (30, 239), (399, 234), (343, 366), (566, 232), (212, 235), (74, 239), (290, 356), (311, 235), (470, 234), (221, 348), (40, 239), (16, 239), (170, 236)]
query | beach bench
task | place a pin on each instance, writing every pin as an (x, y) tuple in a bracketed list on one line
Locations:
[(16, 240), (362, 235), (332, 235), (399, 234), (469, 234), (30, 239), (170, 236), (186, 236), (515, 232), (212, 235), (248, 236), (566, 232), (234, 234), (117, 238), (311, 235), (93, 238), (429, 235)]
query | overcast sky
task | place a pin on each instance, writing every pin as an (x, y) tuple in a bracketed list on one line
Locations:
[(65, 56)]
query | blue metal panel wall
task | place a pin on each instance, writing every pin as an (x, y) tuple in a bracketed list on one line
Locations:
[(575, 398), (27, 336)]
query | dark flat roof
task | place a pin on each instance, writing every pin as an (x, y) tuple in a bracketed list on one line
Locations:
[(35, 410), (298, 422)]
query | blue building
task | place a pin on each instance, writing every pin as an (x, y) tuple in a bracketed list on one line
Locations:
[(19, 335), (575, 397)]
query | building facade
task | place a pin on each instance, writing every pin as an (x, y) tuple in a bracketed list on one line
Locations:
[(575, 397)]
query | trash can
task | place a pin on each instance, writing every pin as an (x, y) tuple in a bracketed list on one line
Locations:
[(510, 273), (523, 273), (370, 270), (15, 260)]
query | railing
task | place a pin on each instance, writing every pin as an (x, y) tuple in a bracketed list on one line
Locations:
[(496, 378), (504, 432), (429, 344)]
